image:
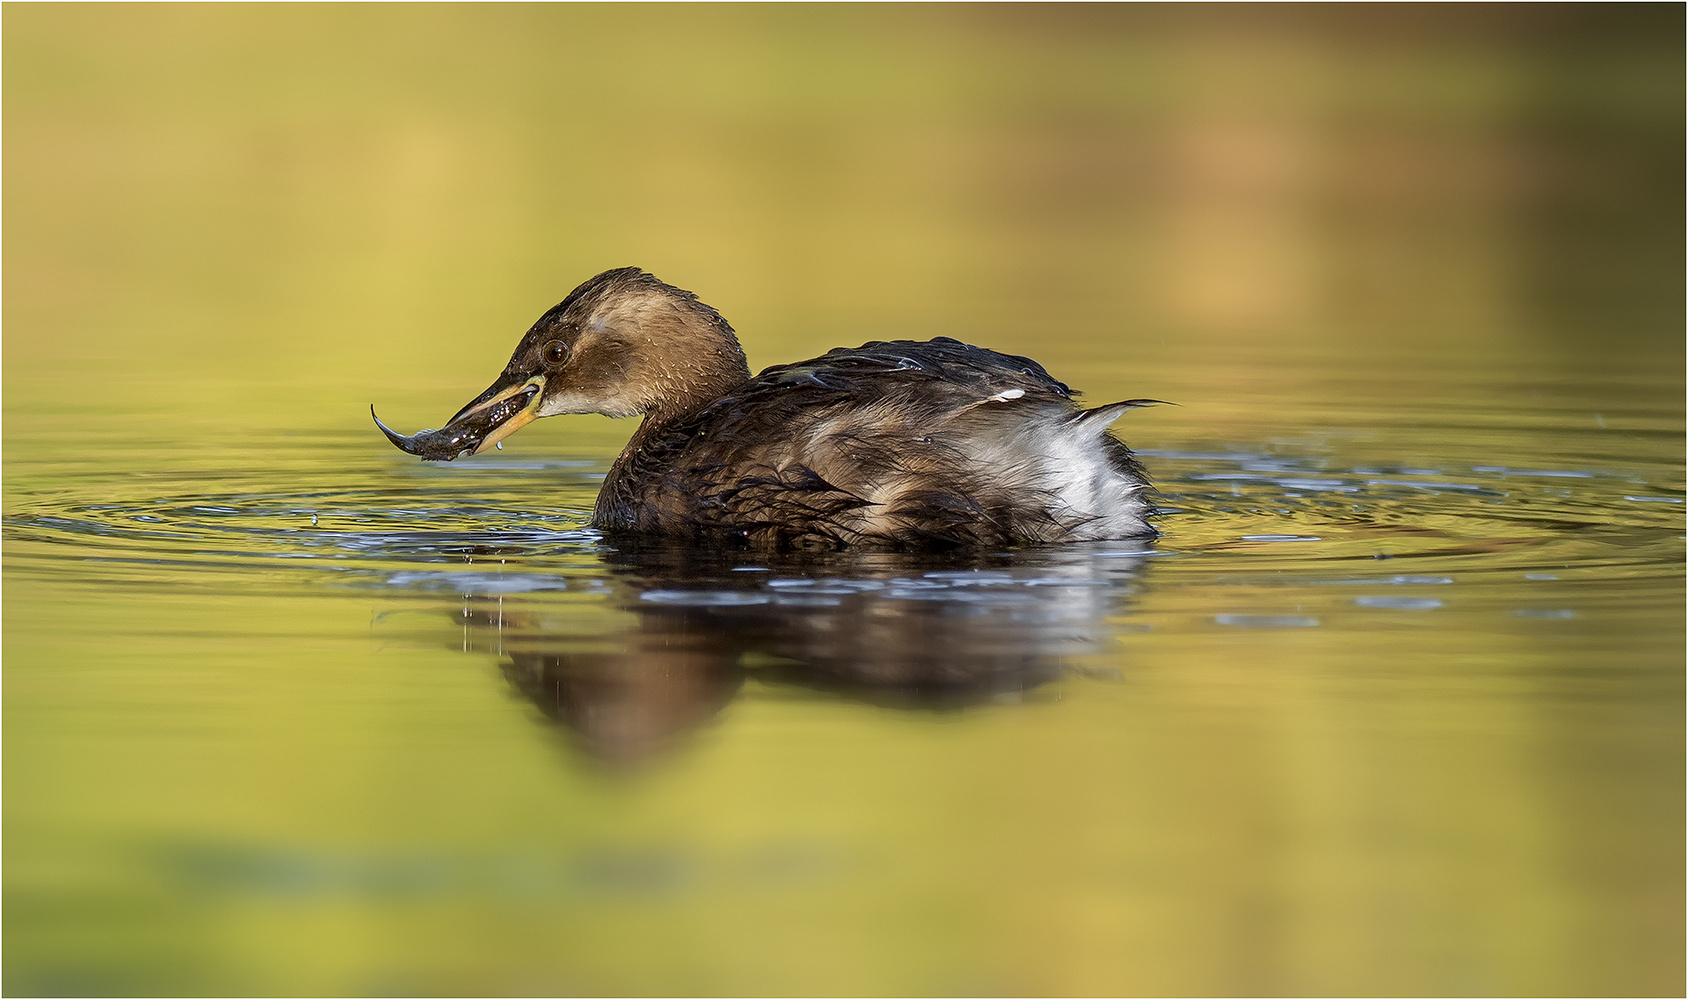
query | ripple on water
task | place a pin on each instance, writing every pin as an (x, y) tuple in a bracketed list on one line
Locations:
[(1398, 603), (1282, 520)]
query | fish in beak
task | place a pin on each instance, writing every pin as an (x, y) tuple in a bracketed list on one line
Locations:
[(505, 407)]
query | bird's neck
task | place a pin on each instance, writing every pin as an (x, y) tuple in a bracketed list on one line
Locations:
[(694, 386)]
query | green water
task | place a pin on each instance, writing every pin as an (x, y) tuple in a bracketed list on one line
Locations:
[(1394, 705)]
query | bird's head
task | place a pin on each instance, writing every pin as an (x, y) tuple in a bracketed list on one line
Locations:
[(623, 343)]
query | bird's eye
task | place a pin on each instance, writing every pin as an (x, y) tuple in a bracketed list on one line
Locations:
[(556, 352)]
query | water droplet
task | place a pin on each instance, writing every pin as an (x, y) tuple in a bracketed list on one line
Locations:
[(499, 445)]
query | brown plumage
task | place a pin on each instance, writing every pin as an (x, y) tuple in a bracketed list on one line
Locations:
[(899, 444)]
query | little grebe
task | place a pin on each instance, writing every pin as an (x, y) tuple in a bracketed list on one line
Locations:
[(903, 444)]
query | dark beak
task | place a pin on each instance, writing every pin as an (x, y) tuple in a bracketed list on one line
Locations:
[(508, 405)]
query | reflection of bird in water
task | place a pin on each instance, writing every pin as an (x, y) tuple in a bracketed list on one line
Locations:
[(629, 704), (903, 444), (886, 629)]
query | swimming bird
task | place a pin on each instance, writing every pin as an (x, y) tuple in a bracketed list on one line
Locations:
[(894, 444)]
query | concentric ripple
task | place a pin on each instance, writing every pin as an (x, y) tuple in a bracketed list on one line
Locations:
[(1238, 515)]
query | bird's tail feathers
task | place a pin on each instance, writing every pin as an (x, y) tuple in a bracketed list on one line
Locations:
[(1098, 417)]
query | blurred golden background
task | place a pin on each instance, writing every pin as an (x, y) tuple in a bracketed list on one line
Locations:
[(284, 194)]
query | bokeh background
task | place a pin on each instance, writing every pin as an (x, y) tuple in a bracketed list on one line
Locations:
[(279, 197), (228, 229)]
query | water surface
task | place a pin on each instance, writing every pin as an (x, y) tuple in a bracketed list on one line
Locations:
[(1369, 711)]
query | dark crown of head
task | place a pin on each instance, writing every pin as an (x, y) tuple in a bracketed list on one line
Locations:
[(627, 279)]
